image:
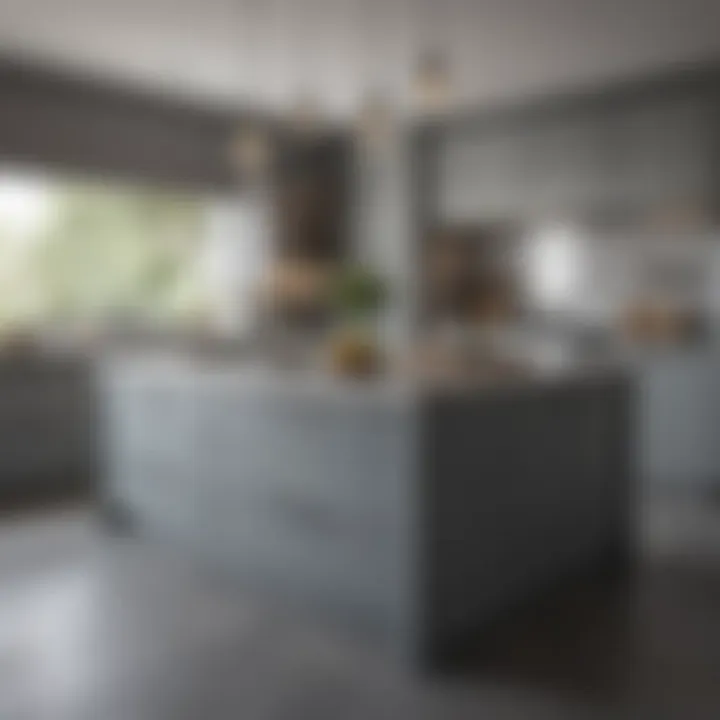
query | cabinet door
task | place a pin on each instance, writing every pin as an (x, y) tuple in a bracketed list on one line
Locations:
[(571, 164), (150, 447), (464, 179), (668, 153), (483, 176), (44, 422), (679, 418), (350, 456), (306, 493)]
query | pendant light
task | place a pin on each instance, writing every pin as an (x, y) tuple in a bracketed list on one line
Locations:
[(251, 148), (375, 120), (376, 112), (251, 151), (306, 116), (431, 81)]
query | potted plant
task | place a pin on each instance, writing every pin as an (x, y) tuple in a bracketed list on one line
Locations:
[(358, 296)]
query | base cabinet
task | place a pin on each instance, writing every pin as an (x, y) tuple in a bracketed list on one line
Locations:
[(45, 428), (679, 421), (415, 517)]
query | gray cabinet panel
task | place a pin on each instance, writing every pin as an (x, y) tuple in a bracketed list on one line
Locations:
[(151, 452), (534, 503), (45, 425), (485, 176), (318, 548), (307, 497), (352, 457), (668, 152), (622, 156), (573, 163), (549, 167), (679, 420)]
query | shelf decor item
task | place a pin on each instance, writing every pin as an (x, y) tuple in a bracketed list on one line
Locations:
[(358, 295)]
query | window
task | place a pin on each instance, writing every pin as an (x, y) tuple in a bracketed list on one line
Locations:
[(555, 266), (74, 251)]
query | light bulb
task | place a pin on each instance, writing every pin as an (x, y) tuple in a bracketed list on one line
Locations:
[(432, 83), (375, 121), (306, 116), (251, 151)]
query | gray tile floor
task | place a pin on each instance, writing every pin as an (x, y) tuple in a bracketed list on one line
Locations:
[(94, 627)]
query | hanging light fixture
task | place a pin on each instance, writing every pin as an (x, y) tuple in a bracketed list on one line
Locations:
[(251, 150), (250, 147), (376, 112), (432, 82), (306, 117), (375, 120)]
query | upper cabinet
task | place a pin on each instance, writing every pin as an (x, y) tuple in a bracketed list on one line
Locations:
[(545, 167), (571, 164), (637, 157), (668, 153), (486, 176)]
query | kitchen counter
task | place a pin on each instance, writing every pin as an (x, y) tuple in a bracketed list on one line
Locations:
[(414, 511), (179, 368)]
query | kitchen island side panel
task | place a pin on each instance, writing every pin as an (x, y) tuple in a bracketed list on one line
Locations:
[(521, 487)]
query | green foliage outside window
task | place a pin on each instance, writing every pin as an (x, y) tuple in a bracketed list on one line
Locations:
[(103, 252)]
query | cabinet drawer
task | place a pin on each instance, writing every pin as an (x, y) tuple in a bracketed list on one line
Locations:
[(351, 457), (314, 550), (667, 151), (158, 494), (143, 426)]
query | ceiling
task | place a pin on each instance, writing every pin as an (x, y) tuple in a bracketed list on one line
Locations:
[(267, 52)]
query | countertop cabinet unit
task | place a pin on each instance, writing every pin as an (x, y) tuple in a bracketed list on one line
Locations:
[(411, 514), (45, 426)]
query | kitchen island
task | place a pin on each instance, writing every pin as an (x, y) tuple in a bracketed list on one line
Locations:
[(412, 512)]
